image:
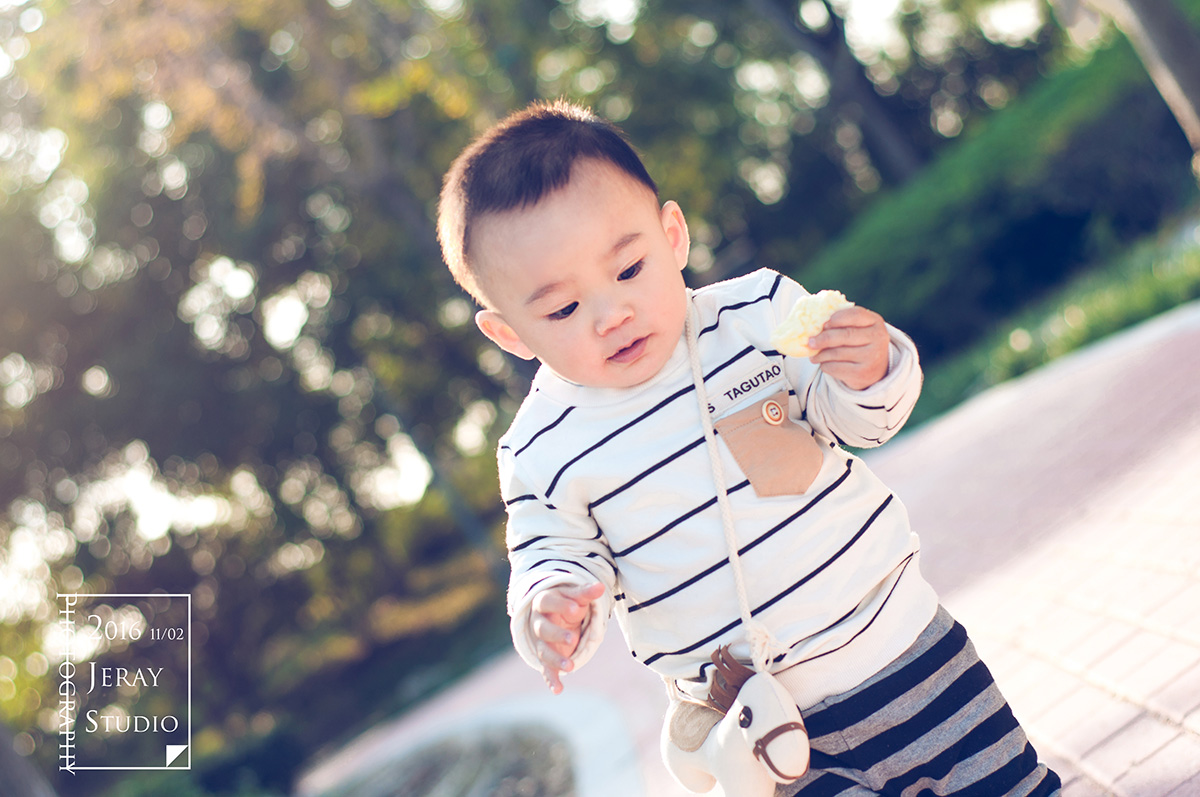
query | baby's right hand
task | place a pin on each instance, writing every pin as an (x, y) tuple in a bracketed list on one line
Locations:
[(558, 615)]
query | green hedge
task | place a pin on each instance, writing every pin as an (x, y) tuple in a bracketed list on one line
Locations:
[(1081, 165), (1159, 273)]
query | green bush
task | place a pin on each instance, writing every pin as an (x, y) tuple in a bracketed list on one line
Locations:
[(253, 767), (1157, 274), (182, 784), (1084, 163)]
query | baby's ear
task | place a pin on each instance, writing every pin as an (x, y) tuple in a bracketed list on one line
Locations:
[(498, 331), (675, 226)]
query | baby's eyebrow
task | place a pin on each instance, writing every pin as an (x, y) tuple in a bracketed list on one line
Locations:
[(624, 241), (548, 288)]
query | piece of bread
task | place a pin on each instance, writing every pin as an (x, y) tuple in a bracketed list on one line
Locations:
[(806, 319)]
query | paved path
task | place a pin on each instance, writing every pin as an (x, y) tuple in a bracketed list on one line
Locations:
[(1060, 514), (1060, 521)]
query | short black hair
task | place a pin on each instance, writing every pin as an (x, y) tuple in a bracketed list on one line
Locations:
[(517, 162)]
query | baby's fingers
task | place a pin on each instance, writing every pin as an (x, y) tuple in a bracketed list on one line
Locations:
[(849, 328), (562, 640), (854, 316), (550, 676), (857, 367), (571, 604), (586, 595), (552, 665)]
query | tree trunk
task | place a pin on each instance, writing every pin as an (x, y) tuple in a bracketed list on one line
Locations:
[(1169, 48), (890, 149)]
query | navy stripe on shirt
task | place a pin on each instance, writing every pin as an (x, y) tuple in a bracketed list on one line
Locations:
[(739, 305), (771, 602), (544, 429), (685, 516), (647, 414), (656, 466), (748, 546)]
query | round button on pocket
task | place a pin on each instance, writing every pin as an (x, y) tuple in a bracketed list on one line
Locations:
[(772, 412)]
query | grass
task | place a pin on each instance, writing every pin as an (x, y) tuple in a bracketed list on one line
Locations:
[(1154, 276)]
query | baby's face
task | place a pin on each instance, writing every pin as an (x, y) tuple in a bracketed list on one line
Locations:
[(589, 280)]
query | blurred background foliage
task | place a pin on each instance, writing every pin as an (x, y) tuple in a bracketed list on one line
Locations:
[(232, 363)]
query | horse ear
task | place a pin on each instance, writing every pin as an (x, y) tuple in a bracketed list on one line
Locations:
[(729, 678)]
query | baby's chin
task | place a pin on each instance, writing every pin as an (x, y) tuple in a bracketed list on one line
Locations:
[(610, 377)]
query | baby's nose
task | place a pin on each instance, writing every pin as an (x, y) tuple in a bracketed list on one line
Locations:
[(612, 316)]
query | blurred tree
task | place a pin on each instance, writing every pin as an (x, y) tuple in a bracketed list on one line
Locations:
[(231, 359), (824, 38), (831, 102), (20, 779)]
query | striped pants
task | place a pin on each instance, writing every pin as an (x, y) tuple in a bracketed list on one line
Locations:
[(932, 722)]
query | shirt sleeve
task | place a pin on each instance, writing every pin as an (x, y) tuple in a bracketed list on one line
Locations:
[(860, 418), (549, 546)]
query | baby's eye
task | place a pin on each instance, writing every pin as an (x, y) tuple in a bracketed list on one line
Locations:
[(632, 271), (560, 314)]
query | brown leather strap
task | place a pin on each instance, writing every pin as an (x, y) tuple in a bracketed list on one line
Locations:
[(760, 747)]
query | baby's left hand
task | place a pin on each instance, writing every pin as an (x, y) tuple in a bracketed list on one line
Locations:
[(853, 347)]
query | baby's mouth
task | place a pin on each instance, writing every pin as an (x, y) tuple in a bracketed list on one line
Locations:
[(630, 352)]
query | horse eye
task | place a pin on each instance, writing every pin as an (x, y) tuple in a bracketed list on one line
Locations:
[(746, 717)]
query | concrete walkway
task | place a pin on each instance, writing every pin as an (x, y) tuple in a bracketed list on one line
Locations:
[(1060, 518), (1060, 521)]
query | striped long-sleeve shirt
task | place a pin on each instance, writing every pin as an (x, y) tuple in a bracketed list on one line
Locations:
[(616, 486)]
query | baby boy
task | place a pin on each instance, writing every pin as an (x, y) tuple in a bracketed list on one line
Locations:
[(551, 222)]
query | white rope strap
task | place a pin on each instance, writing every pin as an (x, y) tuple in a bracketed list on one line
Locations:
[(763, 644)]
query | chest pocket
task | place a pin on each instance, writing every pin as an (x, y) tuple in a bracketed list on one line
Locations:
[(778, 456)]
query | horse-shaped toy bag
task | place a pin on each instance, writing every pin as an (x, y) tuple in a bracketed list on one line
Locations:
[(761, 740)]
